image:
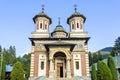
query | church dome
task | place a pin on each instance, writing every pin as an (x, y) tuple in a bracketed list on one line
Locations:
[(59, 28), (42, 14), (76, 14), (59, 32)]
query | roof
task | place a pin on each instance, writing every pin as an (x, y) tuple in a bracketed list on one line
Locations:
[(59, 28), (60, 43), (54, 39), (9, 68), (42, 14), (76, 14)]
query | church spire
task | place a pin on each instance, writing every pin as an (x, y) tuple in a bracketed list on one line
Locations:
[(75, 8), (43, 8), (58, 20)]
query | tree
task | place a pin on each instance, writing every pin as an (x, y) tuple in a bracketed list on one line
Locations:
[(8, 57), (0, 48), (90, 59), (114, 51), (116, 48), (17, 72), (25, 60), (100, 57), (3, 69), (93, 74), (95, 57), (12, 50), (111, 65), (103, 72)]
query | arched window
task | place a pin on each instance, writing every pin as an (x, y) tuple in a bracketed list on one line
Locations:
[(81, 26), (45, 26), (77, 25), (37, 27), (72, 25), (40, 25)]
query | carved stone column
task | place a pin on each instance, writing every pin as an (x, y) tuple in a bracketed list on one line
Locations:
[(51, 72), (68, 69)]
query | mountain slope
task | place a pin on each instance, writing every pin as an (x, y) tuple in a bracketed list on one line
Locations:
[(108, 49)]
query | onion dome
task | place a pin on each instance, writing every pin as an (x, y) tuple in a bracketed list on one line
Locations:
[(42, 14), (59, 31), (76, 14)]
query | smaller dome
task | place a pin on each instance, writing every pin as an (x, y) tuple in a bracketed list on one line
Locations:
[(59, 28), (59, 32)]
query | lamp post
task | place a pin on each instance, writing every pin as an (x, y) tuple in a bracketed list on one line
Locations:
[(1, 65)]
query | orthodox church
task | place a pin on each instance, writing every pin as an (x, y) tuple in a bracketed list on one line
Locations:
[(59, 54)]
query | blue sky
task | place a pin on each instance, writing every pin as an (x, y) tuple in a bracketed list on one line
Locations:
[(16, 24)]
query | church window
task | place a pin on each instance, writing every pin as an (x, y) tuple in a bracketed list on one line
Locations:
[(42, 65), (77, 25), (72, 26), (77, 65), (45, 26), (81, 26), (40, 25), (37, 27)]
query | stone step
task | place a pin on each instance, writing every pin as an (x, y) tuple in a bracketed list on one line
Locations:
[(58, 79)]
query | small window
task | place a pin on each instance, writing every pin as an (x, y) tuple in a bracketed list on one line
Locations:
[(81, 26), (72, 26), (77, 25), (77, 65), (42, 65), (45, 26), (40, 25), (37, 27)]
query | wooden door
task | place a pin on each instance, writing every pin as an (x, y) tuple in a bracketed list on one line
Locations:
[(59, 70)]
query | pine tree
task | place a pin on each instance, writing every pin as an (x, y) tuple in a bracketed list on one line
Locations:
[(17, 72), (90, 59), (0, 48), (116, 48), (111, 65), (93, 75), (100, 57), (103, 72)]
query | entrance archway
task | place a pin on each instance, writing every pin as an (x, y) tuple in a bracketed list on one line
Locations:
[(60, 64)]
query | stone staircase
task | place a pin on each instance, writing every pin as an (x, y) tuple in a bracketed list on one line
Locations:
[(73, 78), (58, 79)]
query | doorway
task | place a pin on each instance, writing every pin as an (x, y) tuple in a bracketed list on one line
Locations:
[(60, 70)]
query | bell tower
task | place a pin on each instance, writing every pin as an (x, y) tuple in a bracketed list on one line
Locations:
[(76, 21), (42, 22)]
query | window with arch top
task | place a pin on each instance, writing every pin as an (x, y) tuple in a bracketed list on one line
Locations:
[(40, 25), (77, 25), (72, 25)]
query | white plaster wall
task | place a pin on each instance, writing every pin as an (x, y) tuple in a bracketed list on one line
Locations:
[(42, 58), (77, 72)]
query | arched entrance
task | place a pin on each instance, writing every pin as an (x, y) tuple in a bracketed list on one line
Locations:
[(60, 64)]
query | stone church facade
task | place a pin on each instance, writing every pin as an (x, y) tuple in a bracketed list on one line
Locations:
[(59, 54)]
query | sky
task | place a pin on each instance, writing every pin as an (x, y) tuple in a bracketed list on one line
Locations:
[(16, 24)]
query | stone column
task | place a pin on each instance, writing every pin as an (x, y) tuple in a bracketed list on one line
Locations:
[(68, 69), (51, 65), (51, 72)]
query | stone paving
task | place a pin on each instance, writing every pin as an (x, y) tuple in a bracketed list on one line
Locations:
[(73, 78)]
